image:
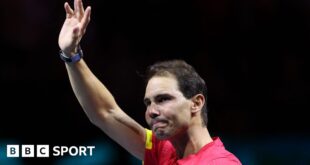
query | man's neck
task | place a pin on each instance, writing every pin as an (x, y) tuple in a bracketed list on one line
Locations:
[(191, 142)]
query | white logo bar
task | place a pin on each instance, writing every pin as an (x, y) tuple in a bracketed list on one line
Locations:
[(43, 151)]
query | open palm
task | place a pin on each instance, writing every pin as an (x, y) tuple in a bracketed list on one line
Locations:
[(74, 27)]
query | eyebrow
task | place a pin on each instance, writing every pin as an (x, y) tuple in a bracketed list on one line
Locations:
[(157, 96), (163, 95)]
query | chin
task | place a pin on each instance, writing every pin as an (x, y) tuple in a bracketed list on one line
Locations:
[(162, 135)]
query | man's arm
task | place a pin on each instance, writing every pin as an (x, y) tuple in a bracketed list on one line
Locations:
[(95, 99)]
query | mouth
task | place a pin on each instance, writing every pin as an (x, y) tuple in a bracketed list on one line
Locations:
[(156, 124)]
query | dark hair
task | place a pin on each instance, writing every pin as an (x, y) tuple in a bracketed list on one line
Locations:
[(189, 81)]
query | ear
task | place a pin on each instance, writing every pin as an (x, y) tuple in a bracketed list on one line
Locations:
[(197, 103)]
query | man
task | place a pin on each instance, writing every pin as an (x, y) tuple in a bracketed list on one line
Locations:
[(175, 100)]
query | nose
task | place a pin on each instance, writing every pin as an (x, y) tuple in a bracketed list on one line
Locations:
[(153, 111)]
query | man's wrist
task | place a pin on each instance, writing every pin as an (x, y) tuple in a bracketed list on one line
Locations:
[(71, 59)]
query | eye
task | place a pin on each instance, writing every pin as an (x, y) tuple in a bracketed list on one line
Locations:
[(162, 99), (147, 102)]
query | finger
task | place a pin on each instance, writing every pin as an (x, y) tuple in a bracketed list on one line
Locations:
[(77, 9), (86, 19), (69, 10), (81, 7)]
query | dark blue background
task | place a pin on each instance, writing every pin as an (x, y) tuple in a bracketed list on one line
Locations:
[(254, 56)]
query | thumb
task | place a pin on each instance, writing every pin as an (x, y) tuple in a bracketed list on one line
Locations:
[(76, 32)]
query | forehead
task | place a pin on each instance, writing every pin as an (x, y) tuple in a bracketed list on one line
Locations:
[(161, 84)]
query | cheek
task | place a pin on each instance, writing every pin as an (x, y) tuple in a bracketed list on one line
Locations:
[(147, 117), (183, 113)]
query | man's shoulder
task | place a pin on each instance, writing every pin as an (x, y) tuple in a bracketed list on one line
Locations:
[(226, 161), (216, 153)]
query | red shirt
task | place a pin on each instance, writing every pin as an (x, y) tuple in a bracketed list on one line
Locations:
[(162, 152)]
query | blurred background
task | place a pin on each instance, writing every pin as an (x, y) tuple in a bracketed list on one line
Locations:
[(253, 54)]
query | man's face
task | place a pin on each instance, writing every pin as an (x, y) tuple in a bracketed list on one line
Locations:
[(167, 110)]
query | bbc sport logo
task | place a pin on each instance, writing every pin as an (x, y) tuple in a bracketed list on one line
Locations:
[(43, 151)]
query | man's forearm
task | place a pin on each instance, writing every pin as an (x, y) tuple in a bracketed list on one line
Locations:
[(103, 111), (93, 96)]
